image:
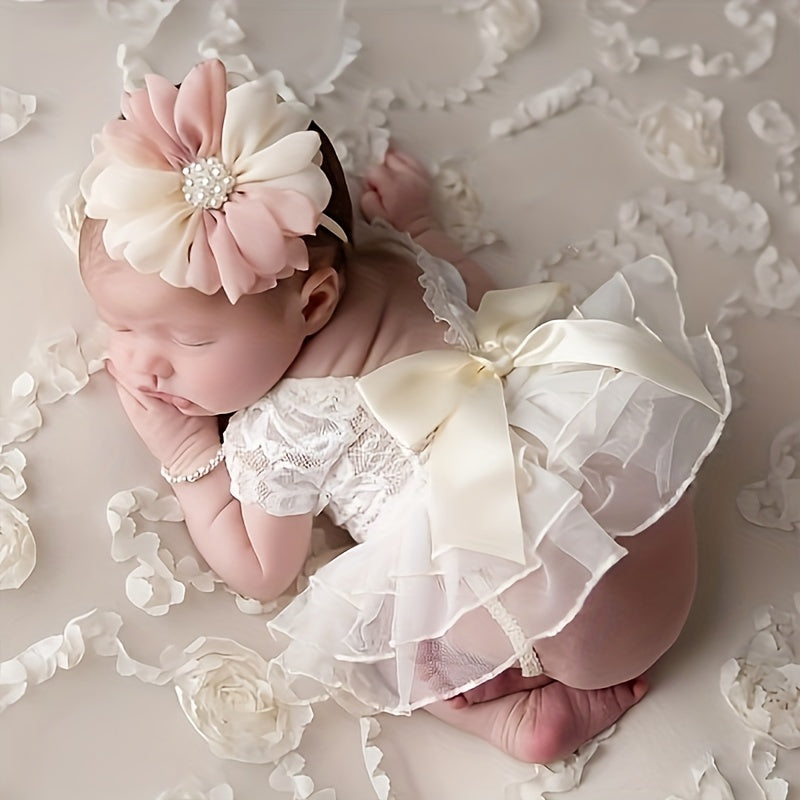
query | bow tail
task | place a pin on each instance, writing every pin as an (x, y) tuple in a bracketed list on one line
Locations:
[(474, 503)]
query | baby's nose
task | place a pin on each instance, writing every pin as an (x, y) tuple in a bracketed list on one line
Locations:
[(147, 360)]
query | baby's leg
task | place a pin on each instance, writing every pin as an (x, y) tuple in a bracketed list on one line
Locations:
[(544, 724), (636, 611)]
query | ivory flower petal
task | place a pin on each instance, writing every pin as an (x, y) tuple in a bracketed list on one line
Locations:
[(255, 118)]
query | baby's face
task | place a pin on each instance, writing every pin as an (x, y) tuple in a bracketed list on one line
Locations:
[(194, 351)]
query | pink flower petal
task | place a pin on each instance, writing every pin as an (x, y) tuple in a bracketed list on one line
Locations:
[(257, 234), (293, 211), (202, 272), (296, 257), (236, 274), (200, 108), (149, 124), (161, 96)]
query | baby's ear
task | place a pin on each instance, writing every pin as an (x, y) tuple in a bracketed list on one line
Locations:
[(320, 294)]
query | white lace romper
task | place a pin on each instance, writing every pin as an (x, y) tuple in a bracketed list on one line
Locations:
[(600, 454)]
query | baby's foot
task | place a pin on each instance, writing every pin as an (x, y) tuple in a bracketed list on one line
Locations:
[(510, 681), (544, 724), (550, 723)]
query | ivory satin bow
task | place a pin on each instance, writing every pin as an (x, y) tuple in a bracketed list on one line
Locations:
[(459, 395)]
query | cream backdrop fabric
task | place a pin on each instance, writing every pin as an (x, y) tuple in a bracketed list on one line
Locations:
[(568, 137)]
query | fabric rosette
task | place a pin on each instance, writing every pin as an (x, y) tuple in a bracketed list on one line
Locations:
[(210, 188), (17, 547), (239, 703)]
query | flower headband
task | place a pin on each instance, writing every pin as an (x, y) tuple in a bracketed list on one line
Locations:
[(208, 187)]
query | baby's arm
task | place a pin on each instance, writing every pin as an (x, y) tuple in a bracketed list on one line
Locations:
[(255, 553), (399, 191)]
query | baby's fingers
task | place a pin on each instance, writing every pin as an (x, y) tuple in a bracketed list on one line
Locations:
[(397, 159), (372, 205)]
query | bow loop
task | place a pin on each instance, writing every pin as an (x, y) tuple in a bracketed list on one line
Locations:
[(459, 395)]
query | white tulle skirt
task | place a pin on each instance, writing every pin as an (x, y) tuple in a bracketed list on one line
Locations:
[(601, 454)]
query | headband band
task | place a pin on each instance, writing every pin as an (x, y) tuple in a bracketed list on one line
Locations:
[(208, 187)]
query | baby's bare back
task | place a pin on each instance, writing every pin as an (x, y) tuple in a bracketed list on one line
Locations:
[(381, 317)]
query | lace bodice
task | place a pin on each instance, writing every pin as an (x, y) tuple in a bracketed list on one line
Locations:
[(310, 445)]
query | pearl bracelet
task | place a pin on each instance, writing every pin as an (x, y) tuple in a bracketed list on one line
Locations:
[(200, 472)]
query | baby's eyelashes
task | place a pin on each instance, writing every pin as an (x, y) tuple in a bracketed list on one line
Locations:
[(188, 343)]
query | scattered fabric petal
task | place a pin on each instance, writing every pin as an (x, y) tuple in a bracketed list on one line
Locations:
[(188, 571), (241, 705), (155, 584), (772, 124), (93, 632), (350, 48), (543, 105), (762, 765), (459, 207), (288, 777), (134, 69), (775, 501), (12, 484), (365, 142), (248, 605), (152, 586), (20, 417), (15, 111), (777, 284), (619, 51), (192, 790), (17, 547), (226, 32), (709, 783), (140, 19), (493, 54), (58, 367), (370, 729), (763, 687), (558, 776)]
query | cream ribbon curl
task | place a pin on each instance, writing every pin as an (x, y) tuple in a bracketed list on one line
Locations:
[(459, 395)]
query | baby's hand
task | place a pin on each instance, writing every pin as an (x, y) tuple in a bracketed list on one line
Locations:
[(181, 443), (399, 191)]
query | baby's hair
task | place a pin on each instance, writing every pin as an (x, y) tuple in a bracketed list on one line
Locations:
[(90, 238), (339, 208)]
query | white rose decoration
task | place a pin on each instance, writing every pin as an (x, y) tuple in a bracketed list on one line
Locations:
[(511, 24), (224, 691), (684, 140), (17, 547)]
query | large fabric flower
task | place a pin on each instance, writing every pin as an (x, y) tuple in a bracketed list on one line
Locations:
[(684, 139), (17, 547), (210, 188), (241, 705)]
